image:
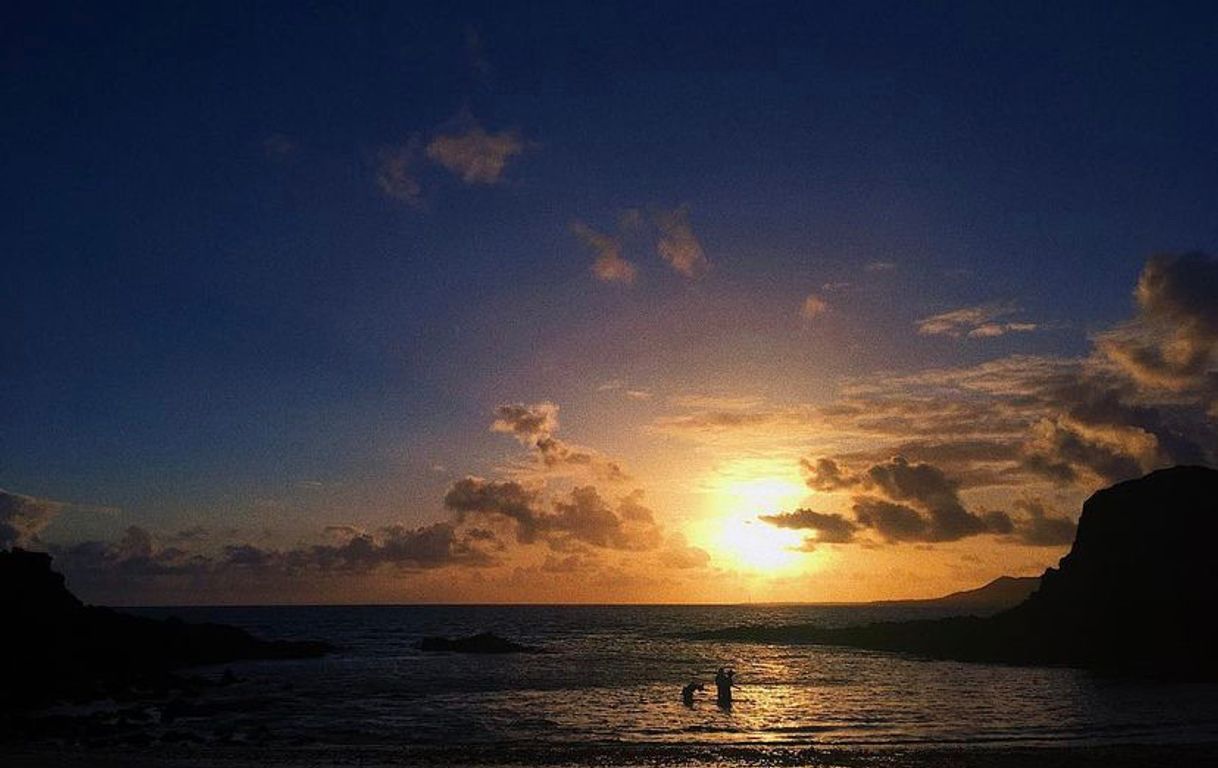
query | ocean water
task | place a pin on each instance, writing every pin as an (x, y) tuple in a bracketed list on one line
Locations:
[(612, 675)]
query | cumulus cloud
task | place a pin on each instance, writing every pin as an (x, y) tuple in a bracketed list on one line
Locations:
[(1172, 343), (1040, 528), (474, 496), (934, 496), (534, 426), (895, 522), (529, 423), (824, 474), (813, 307), (678, 553), (23, 517), (904, 500), (582, 516), (982, 321), (678, 245), (609, 266), (829, 528), (138, 554), (474, 155), (395, 173)]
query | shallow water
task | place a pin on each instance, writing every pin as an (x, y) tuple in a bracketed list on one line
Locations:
[(613, 674)]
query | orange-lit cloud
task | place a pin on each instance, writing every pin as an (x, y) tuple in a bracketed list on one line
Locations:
[(609, 265), (979, 322), (678, 245), (474, 155)]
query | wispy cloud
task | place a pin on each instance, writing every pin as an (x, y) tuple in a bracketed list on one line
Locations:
[(981, 321), (880, 266), (678, 245), (23, 517), (609, 265), (813, 307), (395, 173)]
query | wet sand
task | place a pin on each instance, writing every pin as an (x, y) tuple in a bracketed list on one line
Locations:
[(194, 756)]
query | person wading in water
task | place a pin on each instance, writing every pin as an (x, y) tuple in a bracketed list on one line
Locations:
[(723, 684)]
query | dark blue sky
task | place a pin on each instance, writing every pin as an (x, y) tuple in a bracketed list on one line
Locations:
[(208, 299)]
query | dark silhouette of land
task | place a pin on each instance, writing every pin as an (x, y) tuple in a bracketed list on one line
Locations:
[(1135, 594), (1001, 593), (57, 648), (485, 642)]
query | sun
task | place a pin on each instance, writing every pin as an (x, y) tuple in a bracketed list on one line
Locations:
[(743, 539)]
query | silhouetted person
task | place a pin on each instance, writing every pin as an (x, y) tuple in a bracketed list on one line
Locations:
[(687, 693), (723, 685)]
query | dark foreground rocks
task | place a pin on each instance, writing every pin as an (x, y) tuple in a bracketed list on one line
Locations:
[(56, 648)]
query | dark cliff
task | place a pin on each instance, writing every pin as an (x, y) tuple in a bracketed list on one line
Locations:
[(56, 647)]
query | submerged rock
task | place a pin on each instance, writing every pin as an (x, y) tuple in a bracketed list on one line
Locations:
[(485, 642)]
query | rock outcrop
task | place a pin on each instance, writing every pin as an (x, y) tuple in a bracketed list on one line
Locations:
[(55, 647), (485, 642)]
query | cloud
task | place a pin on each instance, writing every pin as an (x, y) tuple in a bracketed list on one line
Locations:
[(678, 245), (813, 307), (830, 528), (982, 321), (529, 423), (904, 501), (895, 522), (880, 266), (137, 554), (1039, 528), (1064, 450), (1172, 342), (582, 516), (534, 426), (23, 517), (678, 553), (474, 496), (825, 475), (609, 266), (475, 156), (925, 487), (395, 173), (430, 546), (585, 516)]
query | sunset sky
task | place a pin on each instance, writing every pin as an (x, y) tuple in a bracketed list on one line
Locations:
[(593, 301)]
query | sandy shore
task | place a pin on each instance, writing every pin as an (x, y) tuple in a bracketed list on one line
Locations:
[(1168, 756)]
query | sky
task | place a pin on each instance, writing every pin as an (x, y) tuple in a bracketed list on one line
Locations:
[(595, 301)]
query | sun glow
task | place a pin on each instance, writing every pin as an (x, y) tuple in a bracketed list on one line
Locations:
[(745, 540)]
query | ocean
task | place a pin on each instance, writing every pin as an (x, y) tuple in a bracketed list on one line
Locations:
[(612, 676)]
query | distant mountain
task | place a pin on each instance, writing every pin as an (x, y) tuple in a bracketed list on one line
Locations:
[(998, 595), (1135, 593), (57, 647)]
